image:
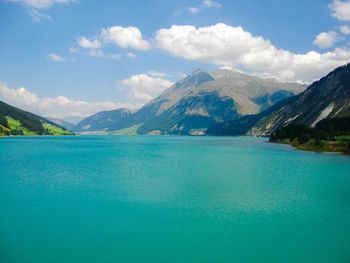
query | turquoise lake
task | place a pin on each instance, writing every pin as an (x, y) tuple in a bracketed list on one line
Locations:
[(171, 199)]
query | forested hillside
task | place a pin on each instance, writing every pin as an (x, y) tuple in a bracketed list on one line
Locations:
[(14, 121)]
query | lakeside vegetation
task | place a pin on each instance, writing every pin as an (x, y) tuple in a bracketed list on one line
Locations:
[(329, 135), (14, 121)]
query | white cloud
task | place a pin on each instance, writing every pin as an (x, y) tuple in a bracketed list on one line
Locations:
[(326, 39), (167, 75), (204, 4), (130, 55), (87, 43), (98, 53), (177, 12), (143, 87), (225, 45), (125, 37), (193, 10), (55, 107), (95, 53), (114, 56), (32, 7), (340, 9), (55, 57), (38, 4), (345, 29), (73, 50), (157, 74), (38, 16), (210, 4)]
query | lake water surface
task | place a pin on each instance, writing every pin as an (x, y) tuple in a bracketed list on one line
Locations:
[(170, 199)]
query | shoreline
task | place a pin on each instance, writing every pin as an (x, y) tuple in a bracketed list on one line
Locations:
[(329, 147)]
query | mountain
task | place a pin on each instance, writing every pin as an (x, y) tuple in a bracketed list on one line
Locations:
[(244, 124), (105, 121), (203, 99), (14, 121), (328, 98), (62, 123)]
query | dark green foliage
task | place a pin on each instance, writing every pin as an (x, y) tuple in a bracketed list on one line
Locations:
[(16, 132), (3, 121), (292, 132), (336, 125), (28, 120), (347, 149), (304, 138), (325, 130)]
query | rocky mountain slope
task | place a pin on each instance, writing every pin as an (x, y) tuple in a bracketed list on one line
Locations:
[(327, 98), (201, 100), (105, 121), (62, 123)]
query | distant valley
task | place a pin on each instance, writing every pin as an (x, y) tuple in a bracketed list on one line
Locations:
[(193, 104), (222, 102)]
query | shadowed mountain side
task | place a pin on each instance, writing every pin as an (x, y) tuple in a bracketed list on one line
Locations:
[(198, 101)]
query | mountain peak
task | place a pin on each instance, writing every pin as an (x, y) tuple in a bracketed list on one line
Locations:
[(198, 71), (196, 78)]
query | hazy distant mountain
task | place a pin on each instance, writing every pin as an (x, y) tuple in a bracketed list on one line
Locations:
[(105, 121), (14, 121), (202, 99), (327, 98), (62, 123)]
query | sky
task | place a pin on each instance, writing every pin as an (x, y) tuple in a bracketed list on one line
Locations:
[(69, 59)]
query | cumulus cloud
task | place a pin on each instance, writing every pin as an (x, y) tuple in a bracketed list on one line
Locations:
[(225, 45), (125, 37), (60, 107), (55, 57), (87, 43), (326, 39), (345, 29), (340, 9), (41, 3), (144, 87)]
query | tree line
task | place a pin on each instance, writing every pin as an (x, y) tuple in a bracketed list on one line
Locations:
[(325, 130)]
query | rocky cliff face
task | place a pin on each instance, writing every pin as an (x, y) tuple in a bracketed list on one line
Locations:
[(327, 98)]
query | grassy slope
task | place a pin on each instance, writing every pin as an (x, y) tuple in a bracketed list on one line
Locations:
[(17, 125), (15, 121), (127, 131), (55, 130)]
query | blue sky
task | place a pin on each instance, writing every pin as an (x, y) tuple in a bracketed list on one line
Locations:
[(69, 59)]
